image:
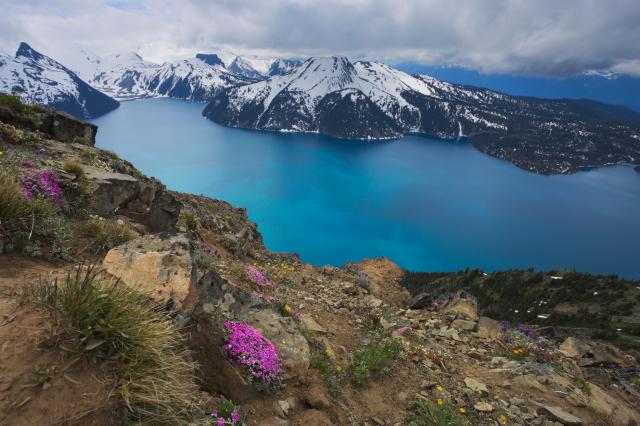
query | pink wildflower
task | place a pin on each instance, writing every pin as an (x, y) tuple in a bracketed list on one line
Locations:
[(234, 417), (253, 352)]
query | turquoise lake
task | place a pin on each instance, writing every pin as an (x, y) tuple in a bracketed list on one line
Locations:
[(424, 203)]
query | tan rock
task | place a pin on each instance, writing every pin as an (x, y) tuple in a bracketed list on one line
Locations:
[(483, 407), (529, 381), (463, 306), (488, 328), (558, 414), (461, 324), (617, 411), (159, 265), (573, 347), (310, 324), (476, 386)]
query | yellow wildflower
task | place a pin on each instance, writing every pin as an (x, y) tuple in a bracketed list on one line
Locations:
[(439, 388), (1, 153), (503, 419), (440, 401), (462, 410), (338, 368), (287, 309)]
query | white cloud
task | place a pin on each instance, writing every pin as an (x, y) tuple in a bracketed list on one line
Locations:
[(521, 36)]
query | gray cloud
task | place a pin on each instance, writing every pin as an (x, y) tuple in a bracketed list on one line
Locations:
[(547, 37)]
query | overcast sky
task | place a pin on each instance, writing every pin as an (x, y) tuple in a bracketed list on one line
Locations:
[(544, 37)]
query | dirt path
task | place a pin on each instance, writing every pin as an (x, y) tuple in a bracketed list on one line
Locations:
[(39, 385)]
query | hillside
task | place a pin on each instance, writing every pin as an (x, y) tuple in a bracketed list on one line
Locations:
[(187, 313)]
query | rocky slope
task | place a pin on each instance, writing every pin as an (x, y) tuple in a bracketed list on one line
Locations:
[(38, 79), (354, 347), (368, 100)]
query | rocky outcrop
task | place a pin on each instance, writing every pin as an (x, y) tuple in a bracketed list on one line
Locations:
[(158, 265), (218, 299), (144, 200), (58, 125)]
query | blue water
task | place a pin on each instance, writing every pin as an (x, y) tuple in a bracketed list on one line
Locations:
[(424, 203)]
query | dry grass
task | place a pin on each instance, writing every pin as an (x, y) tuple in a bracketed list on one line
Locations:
[(74, 168), (13, 206), (104, 234), (105, 320)]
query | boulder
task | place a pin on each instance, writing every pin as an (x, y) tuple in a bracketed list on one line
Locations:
[(421, 301), (573, 348), (293, 348), (59, 125), (488, 328), (112, 191), (145, 200), (462, 304), (159, 265), (218, 300)]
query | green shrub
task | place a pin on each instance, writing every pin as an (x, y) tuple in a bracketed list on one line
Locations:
[(373, 359), (14, 102), (190, 220), (105, 320), (104, 234), (428, 413)]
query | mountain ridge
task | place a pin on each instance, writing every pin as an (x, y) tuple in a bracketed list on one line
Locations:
[(546, 136)]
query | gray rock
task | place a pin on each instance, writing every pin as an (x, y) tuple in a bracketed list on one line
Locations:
[(556, 413)]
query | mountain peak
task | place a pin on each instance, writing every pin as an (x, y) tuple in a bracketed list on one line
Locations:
[(26, 51), (210, 59)]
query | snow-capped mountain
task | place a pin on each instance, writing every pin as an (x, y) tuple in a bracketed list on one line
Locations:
[(38, 79), (129, 76), (199, 78), (261, 68), (369, 100)]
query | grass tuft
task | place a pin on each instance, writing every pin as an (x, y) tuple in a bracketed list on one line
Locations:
[(428, 413), (13, 205), (104, 234), (74, 168), (373, 359), (107, 321)]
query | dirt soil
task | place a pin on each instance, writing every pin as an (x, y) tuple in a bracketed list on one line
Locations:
[(39, 384)]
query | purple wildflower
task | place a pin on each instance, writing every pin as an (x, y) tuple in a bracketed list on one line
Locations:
[(255, 276), (234, 417), (214, 413), (220, 421), (402, 330), (253, 352), (41, 151), (42, 183), (504, 327)]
